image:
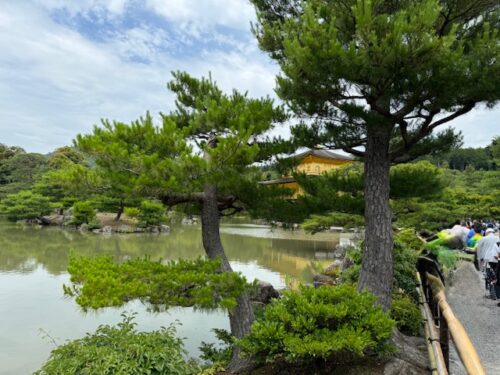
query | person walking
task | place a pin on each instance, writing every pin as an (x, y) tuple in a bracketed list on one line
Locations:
[(487, 256)]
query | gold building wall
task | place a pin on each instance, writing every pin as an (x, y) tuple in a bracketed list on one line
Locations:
[(312, 165)]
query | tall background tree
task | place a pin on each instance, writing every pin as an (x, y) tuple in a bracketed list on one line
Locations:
[(376, 78)]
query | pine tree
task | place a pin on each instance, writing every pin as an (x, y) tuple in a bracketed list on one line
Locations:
[(376, 78), (201, 154)]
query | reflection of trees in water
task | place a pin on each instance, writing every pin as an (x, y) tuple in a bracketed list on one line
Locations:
[(286, 256), (22, 249)]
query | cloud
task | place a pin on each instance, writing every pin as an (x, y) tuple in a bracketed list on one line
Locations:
[(199, 15), (104, 7), (66, 64), (56, 81)]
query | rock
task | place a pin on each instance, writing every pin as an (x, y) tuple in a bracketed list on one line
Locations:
[(346, 263), (333, 268), (336, 229), (265, 292), (320, 280), (397, 366), (96, 231), (84, 227), (124, 229), (139, 230), (68, 215), (107, 229), (410, 358), (164, 228), (52, 220), (154, 229), (187, 221)]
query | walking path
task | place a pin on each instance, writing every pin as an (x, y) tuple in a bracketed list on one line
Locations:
[(479, 315)]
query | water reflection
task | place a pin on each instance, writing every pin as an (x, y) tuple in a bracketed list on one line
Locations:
[(23, 249), (33, 265)]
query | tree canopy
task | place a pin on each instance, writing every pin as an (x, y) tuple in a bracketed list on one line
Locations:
[(376, 78)]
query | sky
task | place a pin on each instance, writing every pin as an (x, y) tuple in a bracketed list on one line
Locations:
[(66, 64)]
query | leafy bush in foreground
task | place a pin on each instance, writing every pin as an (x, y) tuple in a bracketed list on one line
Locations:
[(335, 323), (121, 350)]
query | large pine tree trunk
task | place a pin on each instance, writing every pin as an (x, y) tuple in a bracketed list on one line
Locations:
[(377, 267), (242, 316)]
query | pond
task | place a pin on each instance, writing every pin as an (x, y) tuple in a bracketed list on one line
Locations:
[(34, 312)]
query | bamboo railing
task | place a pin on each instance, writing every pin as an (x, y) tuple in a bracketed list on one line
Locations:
[(434, 306)]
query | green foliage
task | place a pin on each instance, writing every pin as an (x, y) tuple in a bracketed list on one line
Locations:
[(481, 158), (6, 154), (132, 212), (495, 149), (19, 170), (218, 354), (336, 198), (406, 314), (471, 194), (409, 239), (376, 78), (24, 205), (100, 282), (318, 223), (404, 262), (446, 258), (151, 213), (334, 323), (379, 62), (83, 213), (420, 179), (121, 350), (145, 160), (106, 203), (63, 156)]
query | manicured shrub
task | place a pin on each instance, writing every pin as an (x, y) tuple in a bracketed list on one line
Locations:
[(121, 350), (409, 238), (406, 314), (335, 323), (101, 282), (132, 212), (152, 213), (83, 213), (24, 205)]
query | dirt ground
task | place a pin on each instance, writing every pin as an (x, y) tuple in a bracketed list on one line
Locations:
[(108, 219)]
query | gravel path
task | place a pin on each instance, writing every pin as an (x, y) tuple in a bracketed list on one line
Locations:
[(479, 315)]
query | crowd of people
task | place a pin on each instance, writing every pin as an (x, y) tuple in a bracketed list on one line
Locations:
[(483, 239)]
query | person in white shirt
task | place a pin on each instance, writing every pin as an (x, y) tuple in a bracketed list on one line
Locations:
[(487, 249), (460, 231), (487, 254)]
